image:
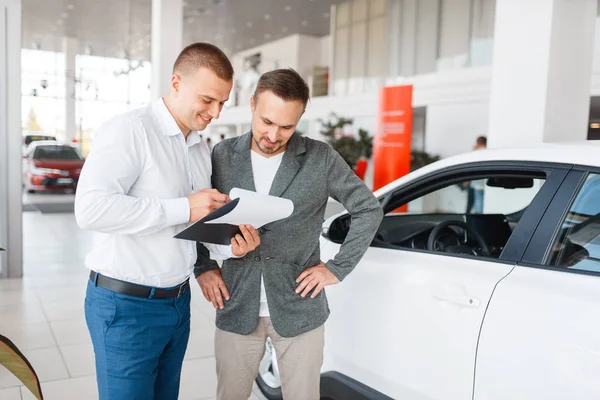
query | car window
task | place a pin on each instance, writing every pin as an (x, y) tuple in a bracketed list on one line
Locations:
[(477, 197), (577, 245), (34, 138), (474, 217), (56, 153)]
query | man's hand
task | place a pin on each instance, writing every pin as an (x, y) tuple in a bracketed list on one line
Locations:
[(213, 287), (246, 242), (316, 277), (204, 202)]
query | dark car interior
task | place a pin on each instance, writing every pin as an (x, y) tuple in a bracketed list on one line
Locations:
[(458, 233)]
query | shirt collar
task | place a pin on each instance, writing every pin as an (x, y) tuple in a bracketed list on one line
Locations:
[(168, 125)]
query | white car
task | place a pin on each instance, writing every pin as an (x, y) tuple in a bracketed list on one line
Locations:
[(456, 305)]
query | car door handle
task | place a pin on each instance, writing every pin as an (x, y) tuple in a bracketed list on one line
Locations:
[(456, 295)]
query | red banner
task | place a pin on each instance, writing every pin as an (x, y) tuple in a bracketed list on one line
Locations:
[(391, 144)]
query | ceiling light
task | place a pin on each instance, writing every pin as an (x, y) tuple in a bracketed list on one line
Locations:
[(304, 23), (70, 6), (249, 24), (288, 8), (267, 17)]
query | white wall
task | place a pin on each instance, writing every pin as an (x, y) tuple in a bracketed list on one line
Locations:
[(324, 51), (453, 128), (299, 52), (283, 52)]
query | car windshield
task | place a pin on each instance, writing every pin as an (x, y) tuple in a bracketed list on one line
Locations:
[(56, 153)]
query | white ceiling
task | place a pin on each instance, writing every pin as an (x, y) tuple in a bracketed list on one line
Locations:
[(121, 28)]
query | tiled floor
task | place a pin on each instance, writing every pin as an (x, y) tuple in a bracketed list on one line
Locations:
[(43, 314)]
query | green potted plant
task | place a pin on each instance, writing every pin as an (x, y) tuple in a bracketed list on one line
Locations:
[(354, 149), (419, 159)]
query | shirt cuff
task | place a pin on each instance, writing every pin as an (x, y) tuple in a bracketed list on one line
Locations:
[(177, 211)]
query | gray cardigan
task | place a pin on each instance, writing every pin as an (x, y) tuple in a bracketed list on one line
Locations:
[(310, 172)]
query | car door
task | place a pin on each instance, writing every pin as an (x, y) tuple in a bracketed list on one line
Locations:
[(406, 321), (540, 338)]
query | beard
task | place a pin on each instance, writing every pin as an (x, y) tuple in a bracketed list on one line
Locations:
[(266, 149)]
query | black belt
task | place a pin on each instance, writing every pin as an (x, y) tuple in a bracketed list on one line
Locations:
[(131, 289)]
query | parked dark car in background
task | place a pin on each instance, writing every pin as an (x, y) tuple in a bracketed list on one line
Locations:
[(51, 166), (30, 137)]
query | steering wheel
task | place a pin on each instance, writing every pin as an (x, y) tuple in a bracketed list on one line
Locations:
[(461, 248)]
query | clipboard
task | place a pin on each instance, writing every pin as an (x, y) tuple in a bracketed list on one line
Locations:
[(245, 208)]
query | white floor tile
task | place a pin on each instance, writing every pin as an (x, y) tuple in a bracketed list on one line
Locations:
[(64, 310), (83, 388), (10, 394), (48, 364), (201, 344), (15, 296), (70, 332), (198, 379), (80, 359), (62, 294), (199, 320), (19, 314), (30, 336), (12, 284)]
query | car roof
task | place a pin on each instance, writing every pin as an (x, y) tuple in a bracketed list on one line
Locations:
[(585, 153)]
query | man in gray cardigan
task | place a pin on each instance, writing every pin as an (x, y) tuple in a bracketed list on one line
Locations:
[(276, 290)]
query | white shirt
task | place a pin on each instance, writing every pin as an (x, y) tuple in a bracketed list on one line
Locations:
[(133, 192), (264, 170)]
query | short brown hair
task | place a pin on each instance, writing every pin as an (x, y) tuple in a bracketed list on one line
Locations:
[(286, 84), (482, 141), (198, 55)]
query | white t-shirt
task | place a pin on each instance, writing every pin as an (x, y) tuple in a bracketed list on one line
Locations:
[(264, 170)]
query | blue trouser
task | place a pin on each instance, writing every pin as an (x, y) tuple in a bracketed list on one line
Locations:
[(139, 343)]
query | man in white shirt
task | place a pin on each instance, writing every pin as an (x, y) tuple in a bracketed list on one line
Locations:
[(149, 175)]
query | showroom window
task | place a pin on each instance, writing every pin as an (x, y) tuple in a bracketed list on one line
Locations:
[(578, 243)]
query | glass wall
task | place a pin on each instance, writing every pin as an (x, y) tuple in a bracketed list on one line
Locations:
[(43, 92), (104, 87), (390, 38), (360, 46), (107, 87)]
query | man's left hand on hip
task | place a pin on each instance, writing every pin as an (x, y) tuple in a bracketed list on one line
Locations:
[(316, 278)]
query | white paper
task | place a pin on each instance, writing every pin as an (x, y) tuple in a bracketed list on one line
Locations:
[(255, 209)]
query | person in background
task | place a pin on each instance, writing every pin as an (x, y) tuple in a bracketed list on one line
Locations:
[(475, 189)]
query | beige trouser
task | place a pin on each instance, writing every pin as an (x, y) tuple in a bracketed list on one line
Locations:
[(299, 359)]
